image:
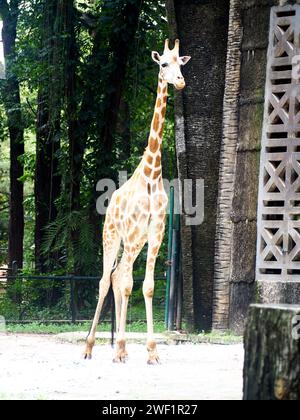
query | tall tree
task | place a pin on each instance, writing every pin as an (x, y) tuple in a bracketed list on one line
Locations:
[(227, 169), (202, 27), (98, 113), (48, 132), (12, 101)]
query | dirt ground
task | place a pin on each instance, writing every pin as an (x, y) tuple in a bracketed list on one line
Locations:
[(41, 367)]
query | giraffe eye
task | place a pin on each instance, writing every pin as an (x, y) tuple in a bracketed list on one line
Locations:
[(165, 65)]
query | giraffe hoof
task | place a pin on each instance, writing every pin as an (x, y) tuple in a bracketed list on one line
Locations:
[(87, 356), (119, 359), (154, 361), (121, 355)]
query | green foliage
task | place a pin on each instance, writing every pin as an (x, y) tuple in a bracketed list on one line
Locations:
[(58, 240), (43, 64)]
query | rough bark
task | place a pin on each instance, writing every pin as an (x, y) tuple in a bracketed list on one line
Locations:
[(227, 170), (182, 164), (47, 177), (202, 27), (12, 102), (272, 345), (120, 44)]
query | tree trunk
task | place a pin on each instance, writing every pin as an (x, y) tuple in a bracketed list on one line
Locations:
[(227, 169), (105, 109), (121, 44), (12, 103), (47, 177), (202, 27), (272, 345)]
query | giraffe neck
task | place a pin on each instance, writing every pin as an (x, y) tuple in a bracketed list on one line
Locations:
[(152, 157)]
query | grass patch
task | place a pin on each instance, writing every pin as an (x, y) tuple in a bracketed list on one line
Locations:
[(20, 397), (40, 328), (216, 337), (223, 338)]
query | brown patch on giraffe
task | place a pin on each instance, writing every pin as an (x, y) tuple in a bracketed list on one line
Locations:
[(163, 112), (155, 251), (157, 174), (158, 103), (117, 215), (132, 237), (161, 131), (149, 189), (156, 122), (147, 171), (165, 99), (128, 223), (123, 205), (158, 161), (153, 145), (165, 89), (149, 292), (149, 160), (159, 90), (118, 200)]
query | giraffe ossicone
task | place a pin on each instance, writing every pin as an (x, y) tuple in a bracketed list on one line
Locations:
[(136, 216)]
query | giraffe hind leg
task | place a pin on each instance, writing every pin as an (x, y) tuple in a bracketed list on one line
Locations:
[(111, 248)]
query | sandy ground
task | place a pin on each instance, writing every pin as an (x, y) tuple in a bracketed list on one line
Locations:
[(40, 367)]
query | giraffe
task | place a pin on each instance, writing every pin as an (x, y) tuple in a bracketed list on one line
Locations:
[(136, 215)]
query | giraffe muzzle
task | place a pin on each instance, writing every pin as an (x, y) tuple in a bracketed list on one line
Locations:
[(180, 86)]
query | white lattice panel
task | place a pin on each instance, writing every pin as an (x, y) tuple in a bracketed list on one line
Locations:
[(278, 256)]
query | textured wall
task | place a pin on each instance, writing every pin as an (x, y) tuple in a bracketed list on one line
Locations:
[(202, 27)]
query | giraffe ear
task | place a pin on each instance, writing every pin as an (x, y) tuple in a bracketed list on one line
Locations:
[(184, 60), (156, 57)]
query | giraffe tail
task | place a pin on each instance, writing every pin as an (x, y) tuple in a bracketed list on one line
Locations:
[(113, 309), (113, 317)]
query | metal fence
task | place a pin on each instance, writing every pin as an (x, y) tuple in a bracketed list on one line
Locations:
[(21, 289), (167, 299)]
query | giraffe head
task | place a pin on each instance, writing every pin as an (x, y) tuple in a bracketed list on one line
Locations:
[(170, 64)]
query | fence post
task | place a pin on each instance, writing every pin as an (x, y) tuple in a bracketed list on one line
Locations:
[(172, 284), (178, 276), (170, 250), (73, 306)]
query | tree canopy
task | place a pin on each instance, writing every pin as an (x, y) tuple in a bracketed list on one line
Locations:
[(75, 107)]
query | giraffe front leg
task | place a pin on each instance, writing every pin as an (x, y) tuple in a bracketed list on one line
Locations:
[(125, 288), (148, 291), (155, 240), (121, 353)]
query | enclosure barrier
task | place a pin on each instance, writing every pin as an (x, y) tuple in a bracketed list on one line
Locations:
[(171, 281), (71, 280), (173, 315)]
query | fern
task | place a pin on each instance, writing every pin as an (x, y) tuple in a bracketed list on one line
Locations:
[(59, 238)]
